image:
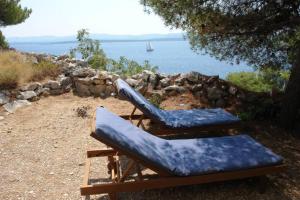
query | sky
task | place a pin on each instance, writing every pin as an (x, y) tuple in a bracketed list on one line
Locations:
[(66, 17)]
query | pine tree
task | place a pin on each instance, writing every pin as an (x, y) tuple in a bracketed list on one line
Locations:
[(264, 33), (11, 13)]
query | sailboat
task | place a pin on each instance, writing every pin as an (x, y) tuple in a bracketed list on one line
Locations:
[(149, 47)]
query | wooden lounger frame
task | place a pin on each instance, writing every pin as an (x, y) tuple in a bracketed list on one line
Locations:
[(142, 181), (163, 130), (160, 179)]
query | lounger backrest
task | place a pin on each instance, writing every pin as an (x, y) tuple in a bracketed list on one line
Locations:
[(138, 100)]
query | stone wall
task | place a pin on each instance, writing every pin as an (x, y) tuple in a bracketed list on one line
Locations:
[(84, 81)]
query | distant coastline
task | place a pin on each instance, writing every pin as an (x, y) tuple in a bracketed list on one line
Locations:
[(104, 41)]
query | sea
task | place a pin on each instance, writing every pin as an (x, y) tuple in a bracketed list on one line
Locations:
[(171, 57)]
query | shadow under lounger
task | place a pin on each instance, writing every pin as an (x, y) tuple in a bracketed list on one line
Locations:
[(177, 119), (190, 160)]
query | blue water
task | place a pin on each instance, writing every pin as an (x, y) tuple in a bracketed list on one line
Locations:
[(170, 56)]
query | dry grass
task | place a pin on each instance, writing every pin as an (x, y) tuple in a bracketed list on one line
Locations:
[(44, 69), (14, 69), (17, 69)]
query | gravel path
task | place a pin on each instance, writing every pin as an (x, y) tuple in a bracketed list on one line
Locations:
[(42, 155)]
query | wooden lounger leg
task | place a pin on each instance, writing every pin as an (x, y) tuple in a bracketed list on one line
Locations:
[(112, 196), (132, 113), (85, 182), (140, 122), (114, 168)]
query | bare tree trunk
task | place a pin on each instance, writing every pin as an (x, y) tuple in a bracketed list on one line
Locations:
[(291, 99)]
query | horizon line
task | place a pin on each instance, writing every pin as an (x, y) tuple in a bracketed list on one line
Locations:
[(109, 34), (103, 41)]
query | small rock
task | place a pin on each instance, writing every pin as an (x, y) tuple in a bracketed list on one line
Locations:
[(108, 82), (165, 82), (84, 72), (96, 90), (102, 95), (110, 89), (28, 95), (180, 80), (137, 76), (193, 76), (82, 63), (72, 65), (212, 79), (13, 106), (45, 92), (1, 118), (174, 89), (132, 82), (98, 81), (82, 86), (62, 57), (146, 75), (154, 80), (53, 85), (31, 192), (232, 90), (56, 91), (34, 86), (197, 88), (214, 93), (103, 75), (65, 82), (114, 77), (3, 99)]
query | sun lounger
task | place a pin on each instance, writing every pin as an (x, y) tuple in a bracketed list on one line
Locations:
[(174, 162), (172, 121)]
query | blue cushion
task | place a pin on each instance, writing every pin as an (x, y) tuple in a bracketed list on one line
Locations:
[(175, 118), (185, 157), (127, 92), (197, 118)]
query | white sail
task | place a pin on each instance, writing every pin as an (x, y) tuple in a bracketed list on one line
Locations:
[(149, 47)]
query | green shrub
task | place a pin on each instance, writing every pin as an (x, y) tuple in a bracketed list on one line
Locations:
[(98, 61), (3, 43), (261, 81), (127, 67), (156, 100), (89, 50), (262, 109)]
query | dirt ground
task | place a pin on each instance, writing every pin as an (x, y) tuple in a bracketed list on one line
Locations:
[(43, 146)]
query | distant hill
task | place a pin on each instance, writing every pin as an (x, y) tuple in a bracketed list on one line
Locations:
[(101, 37)]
